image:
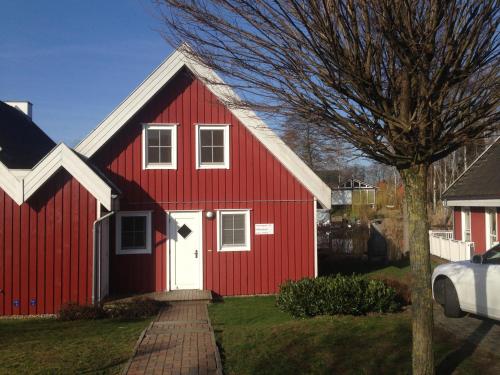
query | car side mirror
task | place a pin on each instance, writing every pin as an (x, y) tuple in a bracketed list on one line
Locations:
[(477, 259)]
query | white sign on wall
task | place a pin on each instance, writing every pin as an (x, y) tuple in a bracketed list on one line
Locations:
[(264, 228)]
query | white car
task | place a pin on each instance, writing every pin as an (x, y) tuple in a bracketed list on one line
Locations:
[(469, 286)]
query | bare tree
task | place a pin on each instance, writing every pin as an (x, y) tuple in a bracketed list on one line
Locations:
[(407, 82)]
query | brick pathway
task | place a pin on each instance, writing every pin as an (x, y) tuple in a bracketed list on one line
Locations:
[(180, 341)]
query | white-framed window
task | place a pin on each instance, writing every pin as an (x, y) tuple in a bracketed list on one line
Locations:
[(133, 232), (233, 230), (159, 146), (212, 146), (466, 224), (491, 227)]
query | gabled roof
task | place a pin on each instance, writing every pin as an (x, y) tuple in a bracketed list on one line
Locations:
[(480, 181), (160, 77), (22, 142), (20, 190)]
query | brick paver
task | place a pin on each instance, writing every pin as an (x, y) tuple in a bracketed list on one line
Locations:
[(180, 341)]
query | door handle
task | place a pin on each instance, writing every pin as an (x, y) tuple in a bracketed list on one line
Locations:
[(196, 253)]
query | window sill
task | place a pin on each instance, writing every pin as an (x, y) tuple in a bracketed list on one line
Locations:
[(230, 249), (160, 166), (133, 251)]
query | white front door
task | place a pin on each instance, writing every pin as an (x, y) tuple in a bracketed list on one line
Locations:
[(185, 250)]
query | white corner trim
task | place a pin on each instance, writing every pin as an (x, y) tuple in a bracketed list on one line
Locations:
[(12, 186), (227, 146), (248, 234), (163, 74), (170, 126), (63, 157), (118, 237)]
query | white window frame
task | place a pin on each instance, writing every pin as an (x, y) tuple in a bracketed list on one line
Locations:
[(159, 126), (248, 234), (464, 210), (119, 216), (227, 145), (489, 239)]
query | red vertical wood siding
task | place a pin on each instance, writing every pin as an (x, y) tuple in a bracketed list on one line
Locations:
[(478, 229), (44, 246), (457, 223), (255, 181)]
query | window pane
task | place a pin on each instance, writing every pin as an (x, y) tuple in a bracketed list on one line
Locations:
[(153, 137), (227, 237), (205, 137), (218, 137), (239, 221), (218, 154), (166, 137), (239, 236), (133, 234), (153, 154), (227, 221), (166, 155), (206, 155)]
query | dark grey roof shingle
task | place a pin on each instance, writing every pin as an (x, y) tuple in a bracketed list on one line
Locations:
[(481, 180), (22, 143)]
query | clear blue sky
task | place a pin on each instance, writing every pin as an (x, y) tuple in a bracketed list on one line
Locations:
[(76, 60)]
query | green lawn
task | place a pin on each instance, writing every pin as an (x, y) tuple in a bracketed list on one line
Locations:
[(48, 346), (256, 338)]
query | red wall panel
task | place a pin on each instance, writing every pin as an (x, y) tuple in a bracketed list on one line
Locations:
[(457, 223), (44, 244), (478, 229), (255, 180)]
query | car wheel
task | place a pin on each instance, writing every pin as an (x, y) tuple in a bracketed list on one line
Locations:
[(451, 304)]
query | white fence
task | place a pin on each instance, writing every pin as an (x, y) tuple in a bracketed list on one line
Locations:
[(443, 246), (442, 233)]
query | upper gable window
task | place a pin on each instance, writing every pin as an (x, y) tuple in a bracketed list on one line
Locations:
[(212, 146), (159, 146)]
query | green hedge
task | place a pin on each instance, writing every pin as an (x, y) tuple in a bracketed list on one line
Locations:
[(353, 295)]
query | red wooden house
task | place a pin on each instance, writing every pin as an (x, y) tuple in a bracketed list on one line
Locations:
[(173, 190), (475, 199)]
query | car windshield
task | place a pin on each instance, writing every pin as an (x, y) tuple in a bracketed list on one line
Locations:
[(493, 255)]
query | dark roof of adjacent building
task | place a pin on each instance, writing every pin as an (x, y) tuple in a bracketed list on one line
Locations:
[(22, 143), (481, 180)]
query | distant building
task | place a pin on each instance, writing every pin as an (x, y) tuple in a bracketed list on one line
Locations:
[(354, 192)]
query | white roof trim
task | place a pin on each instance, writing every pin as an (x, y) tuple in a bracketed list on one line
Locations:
[(20, 190), (472, 203), (159, 78)]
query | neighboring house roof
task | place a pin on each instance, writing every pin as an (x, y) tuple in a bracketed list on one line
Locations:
[(22, 142), (160, 77), (20, 189), (331, 178), (354, 183), (479, 182)]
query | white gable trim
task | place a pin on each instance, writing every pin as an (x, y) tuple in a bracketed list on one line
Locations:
[(472, 203), (22, 188), (160, 77), (63, 157)]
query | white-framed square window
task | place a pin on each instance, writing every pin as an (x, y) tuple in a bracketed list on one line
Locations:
[(159, 146), (133, 232), (233, 230), (212, 146)]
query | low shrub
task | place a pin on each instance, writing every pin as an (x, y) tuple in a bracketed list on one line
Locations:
[(73, 311), (138, 308), (352, 295), (403, 291)]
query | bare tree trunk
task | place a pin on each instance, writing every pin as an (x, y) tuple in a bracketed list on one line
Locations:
[(415, 180)]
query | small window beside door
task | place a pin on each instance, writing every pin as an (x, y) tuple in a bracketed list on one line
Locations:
[(466, 222), (491, 227), (212, 146), (159, 146), (133, 232), (233, 230)]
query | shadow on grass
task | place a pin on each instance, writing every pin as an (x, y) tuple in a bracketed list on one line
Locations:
[(452, 360)]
